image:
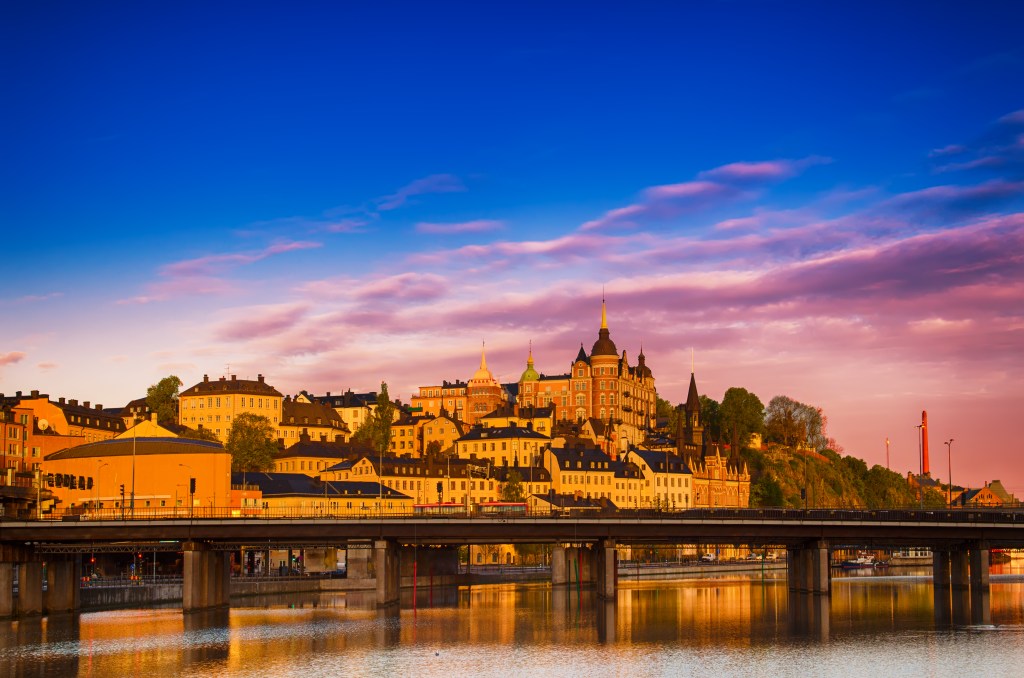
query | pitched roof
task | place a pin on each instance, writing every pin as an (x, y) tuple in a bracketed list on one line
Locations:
[(501, 432), (656, 460), (232, 385), (298, 484)]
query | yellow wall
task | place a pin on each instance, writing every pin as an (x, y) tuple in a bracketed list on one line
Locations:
[(215, 411)]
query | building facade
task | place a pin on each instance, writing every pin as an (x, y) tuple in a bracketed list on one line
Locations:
[(214, 404)]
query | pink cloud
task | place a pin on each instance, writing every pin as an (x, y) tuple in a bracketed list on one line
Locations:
[(951, 149), (435, 183), (405, 286), (262, 321), (215, 263), (476, 226), (46, 367), (11, 357), (770, 170), (1014, 118)]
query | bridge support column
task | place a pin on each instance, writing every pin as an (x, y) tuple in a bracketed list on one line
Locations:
[(63, 585), (358, 557), (981, 601), (558, 566), (821, 570), (607, 568), (207, 578), (387, 565), (30, 589), (6, 590), (941, 585)]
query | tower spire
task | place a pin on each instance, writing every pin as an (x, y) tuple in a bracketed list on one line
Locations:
[(483, 355), (604, 314)]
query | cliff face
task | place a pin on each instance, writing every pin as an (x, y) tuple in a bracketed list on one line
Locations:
[(832, 481)]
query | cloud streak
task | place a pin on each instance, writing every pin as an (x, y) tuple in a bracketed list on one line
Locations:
[(435, 183), (476, 226)]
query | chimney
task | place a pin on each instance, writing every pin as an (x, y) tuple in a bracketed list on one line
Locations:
[(152, 417), (17, 394), (328, 394), (60, 400), (925, 469), (86, 404), (234, 377), (99, 407), (206, 378), (73, 402), (223, 378), (259, 378), (35, 394)]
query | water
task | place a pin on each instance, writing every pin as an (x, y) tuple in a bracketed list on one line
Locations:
[(722, 626)]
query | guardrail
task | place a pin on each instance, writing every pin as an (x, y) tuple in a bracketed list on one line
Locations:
[(960, 515)]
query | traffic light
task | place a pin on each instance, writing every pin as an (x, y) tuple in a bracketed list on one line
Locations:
[(122, 489), (192, 485)]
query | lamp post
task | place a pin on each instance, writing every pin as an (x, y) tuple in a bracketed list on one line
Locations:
[(135, 422), (949, 457), (191, 498)]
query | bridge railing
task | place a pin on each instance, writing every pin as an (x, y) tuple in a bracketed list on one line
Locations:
[(968, 515)]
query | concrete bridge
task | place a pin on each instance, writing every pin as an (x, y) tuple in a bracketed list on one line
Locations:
[(584, 546)]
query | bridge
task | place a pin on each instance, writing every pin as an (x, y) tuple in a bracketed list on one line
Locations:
[(584, 546)]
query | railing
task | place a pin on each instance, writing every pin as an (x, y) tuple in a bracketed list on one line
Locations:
[(1014, 515)]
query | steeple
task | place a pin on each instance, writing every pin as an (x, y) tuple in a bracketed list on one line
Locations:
[(604, 345), (529, 374)]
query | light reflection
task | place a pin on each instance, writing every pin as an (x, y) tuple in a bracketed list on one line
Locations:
[(651, 628)]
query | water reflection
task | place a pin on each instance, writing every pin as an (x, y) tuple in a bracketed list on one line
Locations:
[(720, 625)]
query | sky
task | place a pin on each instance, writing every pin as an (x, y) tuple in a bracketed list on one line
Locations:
[(820, 200)]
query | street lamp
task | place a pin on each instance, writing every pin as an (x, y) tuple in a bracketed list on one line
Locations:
[(949, 456), (191, 489)]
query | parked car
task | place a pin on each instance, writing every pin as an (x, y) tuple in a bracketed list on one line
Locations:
[(708, 558)]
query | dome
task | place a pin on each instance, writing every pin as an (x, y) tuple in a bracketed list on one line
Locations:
[(529, 374)]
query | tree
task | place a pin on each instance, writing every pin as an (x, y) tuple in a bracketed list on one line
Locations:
[(433, 448), (711, 418), (767, 492), (793, 423), (512, 489), (666, 410), (162, 398), (375, 430), (251, 443), (198, 434), (742, 414)]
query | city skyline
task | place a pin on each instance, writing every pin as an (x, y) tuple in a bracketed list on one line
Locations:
[(825, 204)]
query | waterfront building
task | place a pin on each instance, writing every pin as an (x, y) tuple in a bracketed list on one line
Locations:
[(312, 419), (443, 430), (312, 457), (100, 476), (214, 404), (581, 470), (354, 408), (436, 400), (601, 385), (503, 445), (283, 494)]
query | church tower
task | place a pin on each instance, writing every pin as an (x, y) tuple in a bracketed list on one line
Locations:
[(483, 392)]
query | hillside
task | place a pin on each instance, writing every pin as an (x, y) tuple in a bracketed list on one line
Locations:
[(779, 473)]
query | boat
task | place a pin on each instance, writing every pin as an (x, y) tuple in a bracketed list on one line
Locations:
[(998, 556), (911, 557), (858, 562)]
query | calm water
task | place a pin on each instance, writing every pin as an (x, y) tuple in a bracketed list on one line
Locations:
[(730, 625)]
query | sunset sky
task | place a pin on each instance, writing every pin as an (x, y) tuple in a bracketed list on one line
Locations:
[(822, 200)]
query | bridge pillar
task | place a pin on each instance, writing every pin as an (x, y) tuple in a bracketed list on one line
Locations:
[(941, 585), (207, 578), (387, 564), (358, 558), (63, 585), (30, 589), (959, 581), (6, 590), (981, 601), (607, 568), (794, 568), (558, 565), (821, 568)]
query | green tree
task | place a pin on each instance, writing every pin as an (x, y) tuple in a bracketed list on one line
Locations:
[(766, 492), (251, 443), (198, 434), (711, 418), (375, 430), (162, 398), (666, 410), (512, 489), (742, 414), (433, 448)]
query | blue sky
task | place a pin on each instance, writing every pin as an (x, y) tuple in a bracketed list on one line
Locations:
[(339, 194)]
